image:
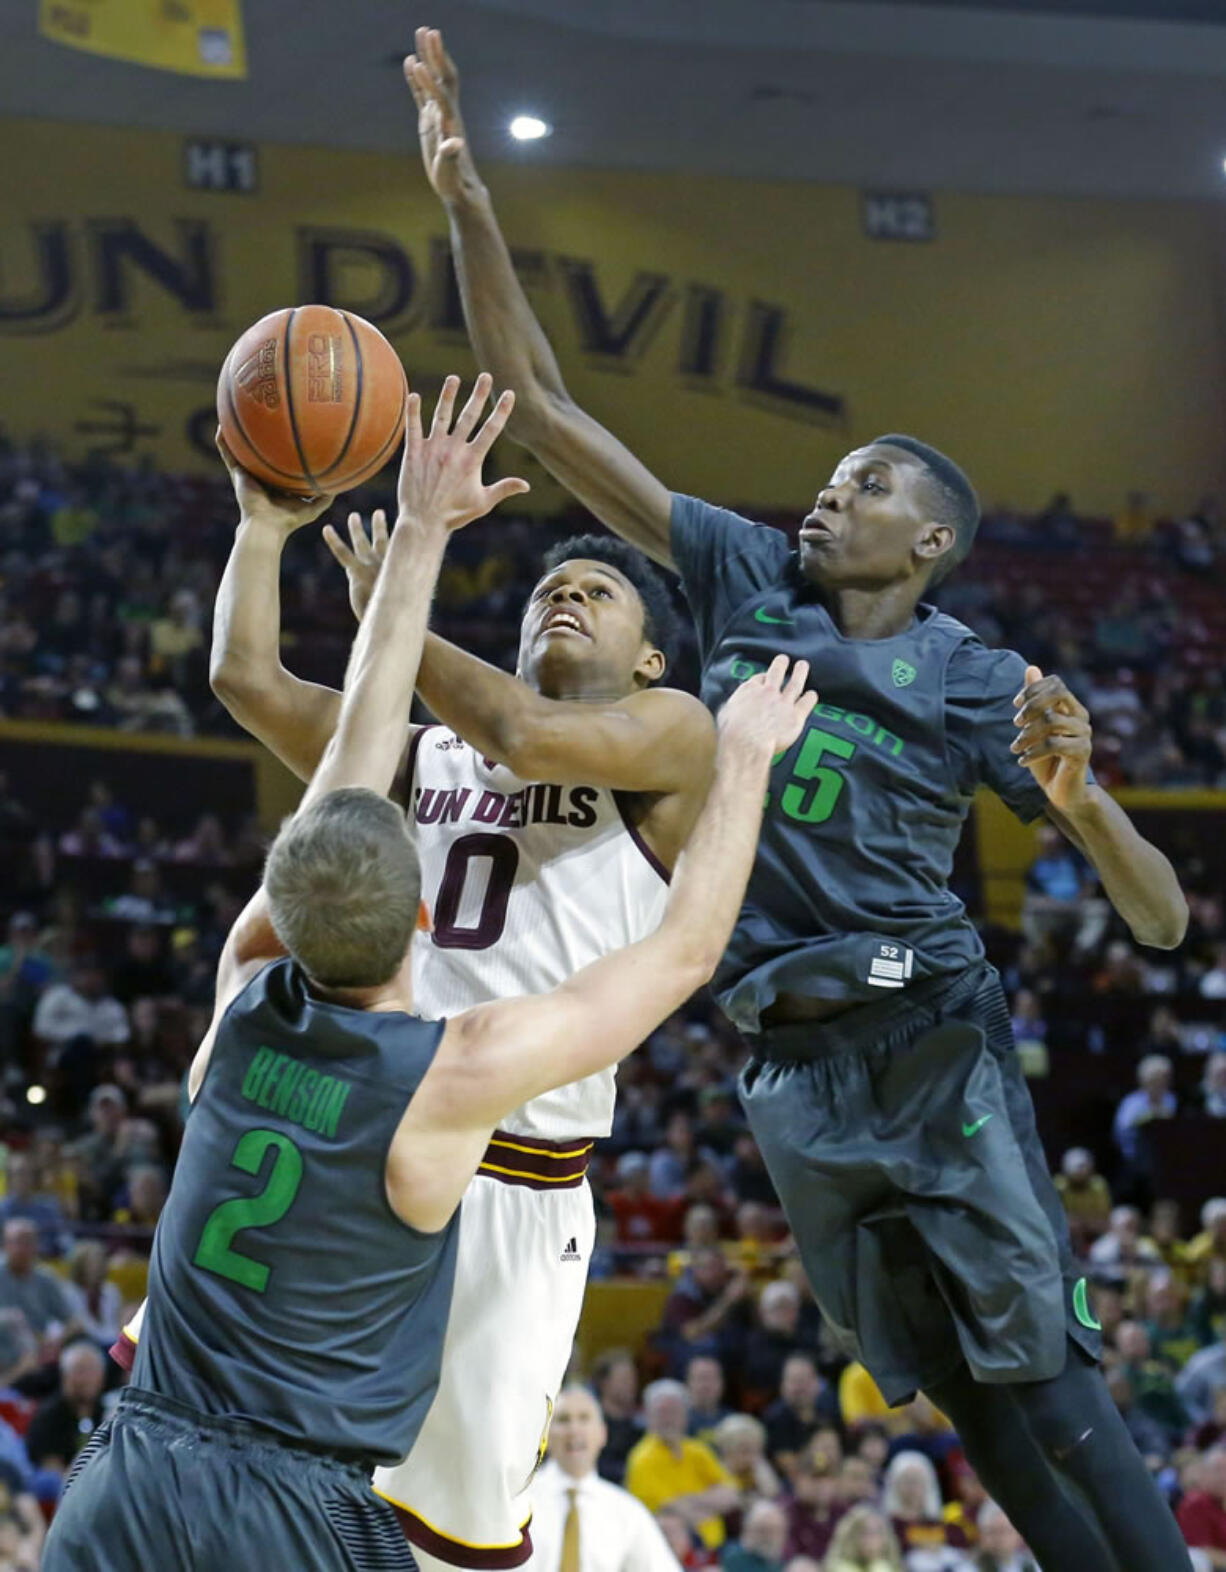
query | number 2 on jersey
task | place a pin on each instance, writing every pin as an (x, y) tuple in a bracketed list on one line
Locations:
[(215, 1252), (810, 796)]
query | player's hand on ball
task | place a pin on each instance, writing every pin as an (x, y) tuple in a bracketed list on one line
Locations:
[(270, 509), (440, 478), (435, 84), (1054, 739), (769, 710), (362, 558)]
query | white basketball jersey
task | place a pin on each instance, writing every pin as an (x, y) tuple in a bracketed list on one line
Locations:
[(524, 883)]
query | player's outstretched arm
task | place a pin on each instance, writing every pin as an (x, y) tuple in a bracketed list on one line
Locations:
[(655, 740), (1054, 743), (440, 490), (292, 718), (588, 460), (521, 1047)]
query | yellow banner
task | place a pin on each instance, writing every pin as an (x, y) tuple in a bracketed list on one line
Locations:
[(195, 37), (738, 335)]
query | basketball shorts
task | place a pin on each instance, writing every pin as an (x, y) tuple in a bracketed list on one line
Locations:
[(902, 1142), (463, 1495), (161, 1486)]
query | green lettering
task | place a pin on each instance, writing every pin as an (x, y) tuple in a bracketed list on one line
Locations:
[(314, 1113), (332, 1114), (864, 724), (829, 711), (887, 739), (255, 1072), (742, 670), (285, 1091), (275, 1071), (302, 1093)]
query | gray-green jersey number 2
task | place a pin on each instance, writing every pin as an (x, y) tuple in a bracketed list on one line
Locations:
[(810, 796), (215, 1252)]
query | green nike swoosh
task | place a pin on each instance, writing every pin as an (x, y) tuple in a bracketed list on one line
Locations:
[(1081, 1307), (973, 1129), (762, 615)]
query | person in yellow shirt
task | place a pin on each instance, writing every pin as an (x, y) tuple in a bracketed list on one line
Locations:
[(669, 1469)]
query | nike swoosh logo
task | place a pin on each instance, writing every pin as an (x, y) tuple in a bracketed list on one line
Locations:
[(762, 615), (973, 1129)]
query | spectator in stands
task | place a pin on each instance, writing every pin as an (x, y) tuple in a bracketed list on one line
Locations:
[(23, 1199), (25, 970), (670, 1163), (642, 1217), (685, 1545), (1000, 1546), (1172, 1336), (1060, 904), (1202, 1512), (704, 1382), (706, 1311), (1152, 1381), (667, 1468), (30, 1288), (747, 1173), (912, 1501), (962, 1512), (63, 1424), (1085, 1194), (579, 1520), (1208, 1312), (22, 1530), (700, 1231), (144, 971), (90, 838), (1201, 1379), (1166, 1232), (770, 1343), (1213, 1082), (145, 900), (100, 1154), (146, 1187), (94, 1302), (740, 1444), (756, 1249), (1123, 1244), (804, 1404), (813, 1508), (615, 1377), (864, 1542), (206, 845), (760, 1547), (1210, 1243), (80, 1008), (1153, 1099), (1209, 1432)]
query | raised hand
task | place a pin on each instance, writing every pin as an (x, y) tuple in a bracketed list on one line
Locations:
[(769, 710), (435, 84), (271, 509), (440, 476), (1054, 739), (362, 558)]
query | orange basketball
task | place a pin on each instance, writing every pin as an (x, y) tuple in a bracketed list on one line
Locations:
[(312, 400)]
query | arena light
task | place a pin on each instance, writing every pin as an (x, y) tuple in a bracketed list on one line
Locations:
[(36, 1094), (529, 128)]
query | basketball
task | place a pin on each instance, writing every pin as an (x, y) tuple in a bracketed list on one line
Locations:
[(312, 400)]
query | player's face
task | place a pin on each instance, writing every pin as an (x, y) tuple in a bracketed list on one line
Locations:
[(867, 521), (582, 632)]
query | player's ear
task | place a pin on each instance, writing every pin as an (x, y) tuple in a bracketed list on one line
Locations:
[(651, 666), (934, 541)]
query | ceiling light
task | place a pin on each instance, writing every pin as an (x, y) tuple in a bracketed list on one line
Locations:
[(528, 128), (36, 1094)]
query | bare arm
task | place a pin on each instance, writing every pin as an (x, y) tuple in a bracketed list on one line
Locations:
[(516, 1049), (1055, 741), (292, 718), (508, 340)]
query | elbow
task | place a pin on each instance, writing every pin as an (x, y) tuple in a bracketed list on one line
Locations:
[(537, 414), (1167, 932), (230, 682)]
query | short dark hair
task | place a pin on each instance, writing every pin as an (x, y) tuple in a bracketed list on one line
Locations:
[(953, 497), (659, 617), (344, 888)]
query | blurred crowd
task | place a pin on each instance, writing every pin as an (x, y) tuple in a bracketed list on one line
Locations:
[(107, 578), (734, 1423)]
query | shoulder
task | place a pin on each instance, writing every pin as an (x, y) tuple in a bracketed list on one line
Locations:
[(974, 670), (701, 527)]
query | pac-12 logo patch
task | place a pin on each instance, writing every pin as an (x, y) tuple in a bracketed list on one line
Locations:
[(904, 674)]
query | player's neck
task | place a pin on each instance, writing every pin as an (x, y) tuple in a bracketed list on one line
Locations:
[(574, 688), (873, 613), (391, 996)]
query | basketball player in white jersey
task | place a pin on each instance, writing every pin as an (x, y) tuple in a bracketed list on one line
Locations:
[(547, 811)]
